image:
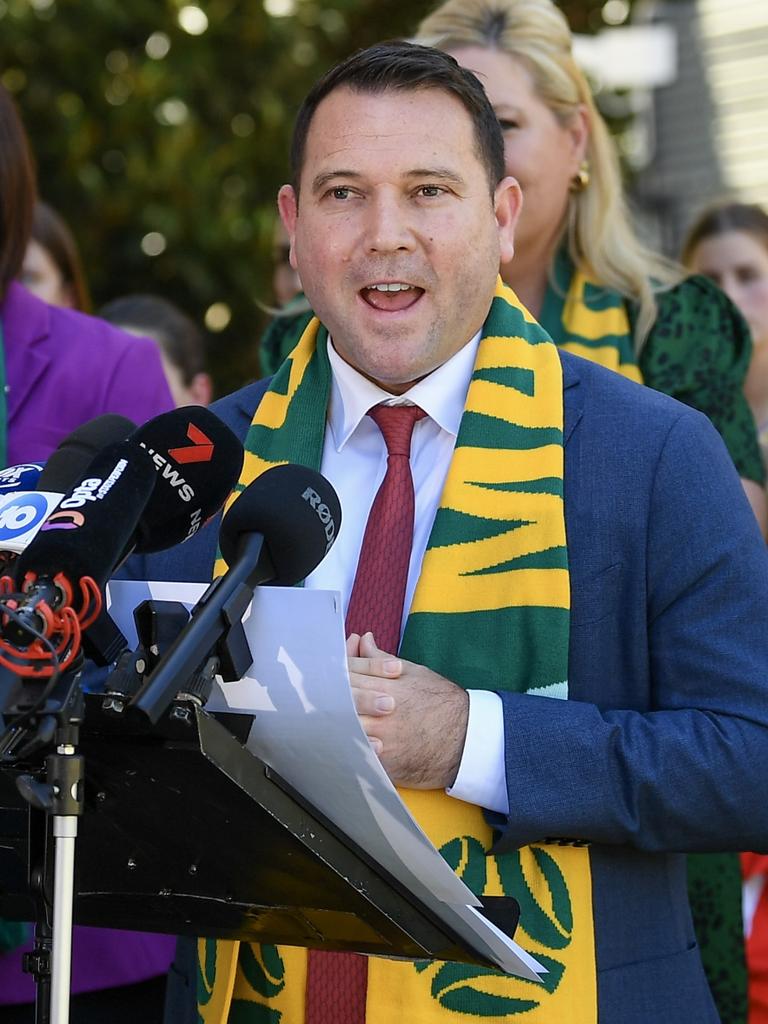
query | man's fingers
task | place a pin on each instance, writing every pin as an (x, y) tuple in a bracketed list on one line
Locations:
[(372, 703), (385, 667)]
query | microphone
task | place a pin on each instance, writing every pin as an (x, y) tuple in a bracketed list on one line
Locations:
[(198, 461), (58, 579), (132, 497), (298, 514), (22, 477), (39, 489), (66, 464), (277, 531)]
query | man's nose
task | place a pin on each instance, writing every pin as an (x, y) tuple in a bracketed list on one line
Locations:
[(388, 224)]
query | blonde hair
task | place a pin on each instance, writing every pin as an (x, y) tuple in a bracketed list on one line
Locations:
[(597, 228)]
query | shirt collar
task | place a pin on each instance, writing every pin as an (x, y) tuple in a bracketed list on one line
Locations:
[(442, 394)]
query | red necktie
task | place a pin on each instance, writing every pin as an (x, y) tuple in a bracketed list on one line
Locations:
[(337, 982)]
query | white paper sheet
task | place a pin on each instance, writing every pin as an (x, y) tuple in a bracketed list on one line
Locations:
[(307, 730)]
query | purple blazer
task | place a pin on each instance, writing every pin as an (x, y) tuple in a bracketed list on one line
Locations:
[(63, 368)]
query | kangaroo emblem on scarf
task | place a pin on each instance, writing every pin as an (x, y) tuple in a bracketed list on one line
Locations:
[(490, 611)]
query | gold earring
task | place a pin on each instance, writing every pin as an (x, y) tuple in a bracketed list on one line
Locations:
[(580, 180)]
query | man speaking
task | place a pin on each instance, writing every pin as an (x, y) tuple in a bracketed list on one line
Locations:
[(553, 584)]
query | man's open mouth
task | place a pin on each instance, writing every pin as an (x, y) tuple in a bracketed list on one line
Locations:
[(391, 296)]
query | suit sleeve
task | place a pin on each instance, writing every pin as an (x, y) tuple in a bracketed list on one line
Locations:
[(687, 773)]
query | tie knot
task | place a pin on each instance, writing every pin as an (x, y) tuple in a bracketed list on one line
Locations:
[(396, 423)]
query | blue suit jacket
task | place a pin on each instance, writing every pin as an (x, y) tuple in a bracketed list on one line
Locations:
[(662, 746)]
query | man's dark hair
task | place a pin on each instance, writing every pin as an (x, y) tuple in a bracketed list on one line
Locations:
[(406, 66), (17, 191), (176, 333)]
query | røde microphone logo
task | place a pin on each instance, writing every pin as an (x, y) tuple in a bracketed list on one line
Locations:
[(323, 513), (201, 449), (21, 515)]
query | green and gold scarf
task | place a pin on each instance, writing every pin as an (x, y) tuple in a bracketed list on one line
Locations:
[(495, 570), (588, 319)]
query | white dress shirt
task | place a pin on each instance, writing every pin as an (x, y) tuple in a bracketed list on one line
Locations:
[(355, 461)]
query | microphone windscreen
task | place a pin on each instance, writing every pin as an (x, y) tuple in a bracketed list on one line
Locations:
[(95, 522), (296, 510), (66, 465), (198, 461)]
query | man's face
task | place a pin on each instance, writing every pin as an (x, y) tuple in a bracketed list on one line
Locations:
[(396, 237)]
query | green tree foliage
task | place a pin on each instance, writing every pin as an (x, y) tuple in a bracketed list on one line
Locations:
[(161, 131)]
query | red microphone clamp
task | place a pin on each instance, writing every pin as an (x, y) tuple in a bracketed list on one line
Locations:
[(62, 625)]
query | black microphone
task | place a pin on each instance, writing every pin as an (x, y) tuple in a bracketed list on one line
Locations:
[(149, 492), (66, 464), (60, 576), (297, 512), (198, 461), (39, 489), (277, 531)]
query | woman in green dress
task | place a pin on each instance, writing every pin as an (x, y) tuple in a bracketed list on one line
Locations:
[(583, 273)]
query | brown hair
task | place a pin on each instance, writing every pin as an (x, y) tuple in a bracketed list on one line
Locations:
[(726, 216), (51, 232), (17, 191), (597, 229)]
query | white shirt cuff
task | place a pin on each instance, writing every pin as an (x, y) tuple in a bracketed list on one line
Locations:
[(482, 777)]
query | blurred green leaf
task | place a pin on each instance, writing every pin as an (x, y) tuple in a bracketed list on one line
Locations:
[(192, 144)]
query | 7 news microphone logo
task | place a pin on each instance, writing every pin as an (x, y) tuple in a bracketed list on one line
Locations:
[(201, 450)]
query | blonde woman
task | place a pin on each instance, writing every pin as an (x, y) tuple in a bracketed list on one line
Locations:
[(583, 273), (578, 263)]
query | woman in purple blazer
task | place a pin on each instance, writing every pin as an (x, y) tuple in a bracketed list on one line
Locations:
[(58, 369)]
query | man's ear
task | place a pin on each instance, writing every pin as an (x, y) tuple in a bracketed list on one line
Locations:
[(288, 205), (507, 202)]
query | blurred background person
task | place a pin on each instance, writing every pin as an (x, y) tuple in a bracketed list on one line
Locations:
[(292, 312), (52, 269), (61, 368), (286, 283), (583, 273), (579, 265), (181, 342), (729, 244)]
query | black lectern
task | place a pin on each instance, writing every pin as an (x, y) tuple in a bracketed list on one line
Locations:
[(187, 832)]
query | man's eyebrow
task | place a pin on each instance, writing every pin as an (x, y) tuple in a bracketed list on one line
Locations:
[(321, 180), (433, 173), (436, 174)]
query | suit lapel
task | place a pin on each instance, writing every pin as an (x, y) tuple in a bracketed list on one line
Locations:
[(573, 395)]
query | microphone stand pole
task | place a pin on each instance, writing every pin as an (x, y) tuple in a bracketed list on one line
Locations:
[(61, 798)]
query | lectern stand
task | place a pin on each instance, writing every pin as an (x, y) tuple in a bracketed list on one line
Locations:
[(187, 832)]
